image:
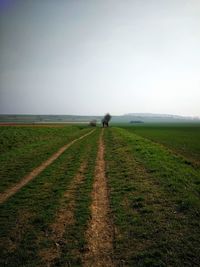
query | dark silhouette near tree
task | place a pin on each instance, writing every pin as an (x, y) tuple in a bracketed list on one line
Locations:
[(93, 123), (106, 119)]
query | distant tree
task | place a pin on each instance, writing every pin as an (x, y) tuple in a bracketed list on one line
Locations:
[(106, 119), (93, 123)]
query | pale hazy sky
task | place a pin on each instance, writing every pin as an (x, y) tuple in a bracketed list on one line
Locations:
[(93, 56)]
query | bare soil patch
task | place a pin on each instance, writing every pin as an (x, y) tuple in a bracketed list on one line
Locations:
[(100, 231), (13, 190)]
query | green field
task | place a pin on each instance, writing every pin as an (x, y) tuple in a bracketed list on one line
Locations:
[(24, 148), (153, 179), (181, 138), (155, 197)]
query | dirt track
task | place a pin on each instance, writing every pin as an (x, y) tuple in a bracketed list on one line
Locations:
[(100, 231), (13, 190)]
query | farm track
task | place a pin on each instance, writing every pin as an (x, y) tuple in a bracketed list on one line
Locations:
[(99, 234), (13, 190), (115, 198), (64, 219)]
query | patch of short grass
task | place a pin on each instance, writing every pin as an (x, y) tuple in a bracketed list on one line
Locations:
[(169, 170), (149, 228), (72, 246), (25, 217), (24, 148), (181, 138)]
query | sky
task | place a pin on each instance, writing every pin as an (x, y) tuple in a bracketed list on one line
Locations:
[(89, 57)]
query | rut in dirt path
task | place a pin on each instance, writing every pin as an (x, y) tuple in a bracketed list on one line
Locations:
[(13, 190), (99, 235), (63, 219)]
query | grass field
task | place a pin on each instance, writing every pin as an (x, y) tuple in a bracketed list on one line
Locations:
[(152, 187), (181, 138), (155, 201), (24, 148)]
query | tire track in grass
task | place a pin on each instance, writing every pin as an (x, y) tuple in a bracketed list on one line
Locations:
[(100, 230), (64, 219), (13, 190), (34, 209)]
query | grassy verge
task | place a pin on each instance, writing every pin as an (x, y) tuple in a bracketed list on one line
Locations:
[(25, 217), (24, 148), (155, 203), (182, 139), (175, 173)]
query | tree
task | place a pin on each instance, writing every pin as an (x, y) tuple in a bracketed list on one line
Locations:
[(106, 119)]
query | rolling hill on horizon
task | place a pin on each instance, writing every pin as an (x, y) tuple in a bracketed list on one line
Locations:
[(126, 118)]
